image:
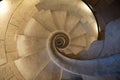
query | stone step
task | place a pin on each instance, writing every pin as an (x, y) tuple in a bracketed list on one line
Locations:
[(77, 31), (80, 41), (59, 19), (35, 29), (50, 72), (10, 72), (30, 66), (71, 22), (45, 19), (75, 49), (27, 45)]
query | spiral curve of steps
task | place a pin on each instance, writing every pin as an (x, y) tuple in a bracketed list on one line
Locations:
[(57, 40), (75, 33)]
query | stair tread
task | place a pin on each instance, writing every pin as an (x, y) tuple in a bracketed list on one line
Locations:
[(67, 51), (75, 49), (35, 29), (45, 19), (29, 45), (78, 30), (91, 29), (50, 72), (80, 41), (90, 39), (30, 66), (59, 18), (71, 22)]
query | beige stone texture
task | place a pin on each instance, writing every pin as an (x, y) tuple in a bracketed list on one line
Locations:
[(3, 59)]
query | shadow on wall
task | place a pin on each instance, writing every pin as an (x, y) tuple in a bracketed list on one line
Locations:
[(105, 11)]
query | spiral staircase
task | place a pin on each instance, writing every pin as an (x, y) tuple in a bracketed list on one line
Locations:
[(75, 31), (57, 40)]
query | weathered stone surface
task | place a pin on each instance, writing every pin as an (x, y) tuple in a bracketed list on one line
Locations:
[(11, 36), (27, 45), (6, 11), (74, 7), (45, 19), (78, 28), (30, 66), (2, 53), (11, 56), (59, 18), (24, 13), (10, 72), (71, 22), (20, 18), (35, 29), (50, 72)]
